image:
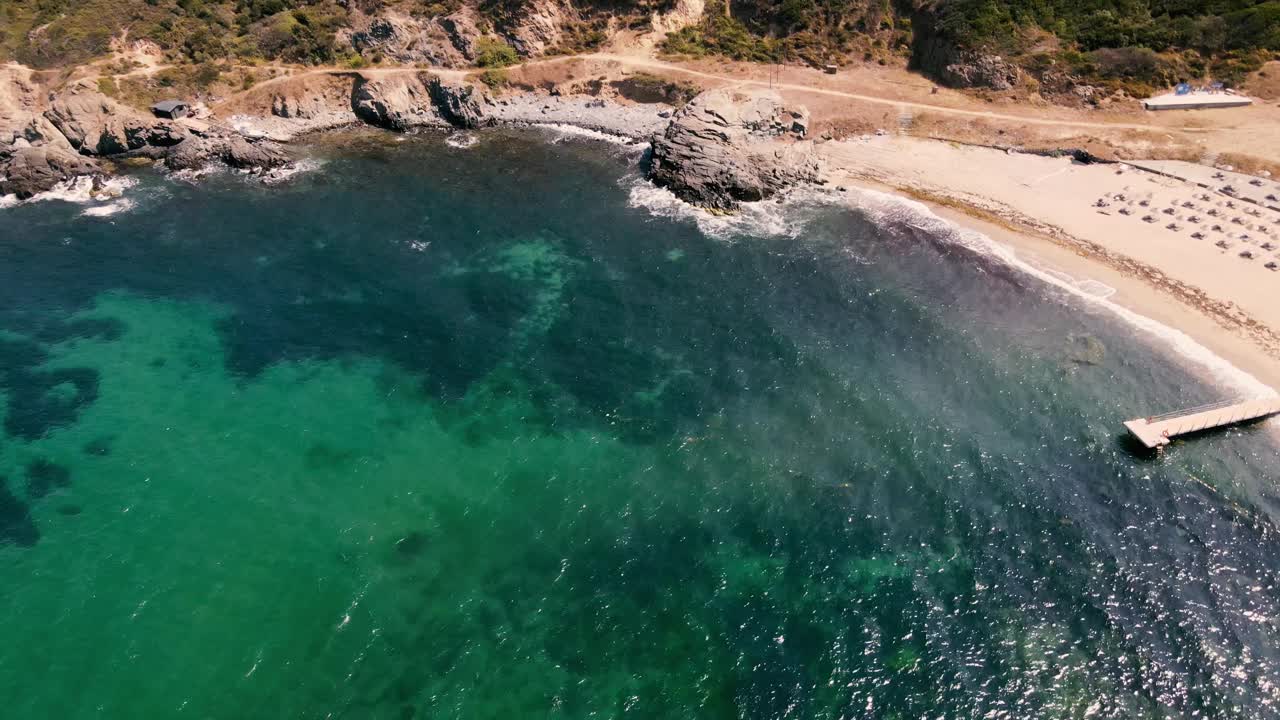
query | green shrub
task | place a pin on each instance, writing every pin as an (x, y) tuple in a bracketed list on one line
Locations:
[(206, 74), (720, 35), (495, 78), (494, 53)]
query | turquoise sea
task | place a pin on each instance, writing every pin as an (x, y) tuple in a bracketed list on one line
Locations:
[(433, 432)]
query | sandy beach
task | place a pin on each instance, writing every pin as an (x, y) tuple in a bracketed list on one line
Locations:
[(1191, 258)]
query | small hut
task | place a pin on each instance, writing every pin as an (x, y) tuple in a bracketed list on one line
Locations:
[(170, 109)]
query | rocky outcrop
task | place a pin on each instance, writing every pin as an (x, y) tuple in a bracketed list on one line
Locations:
[(538, 27), (724, 148), (460, 104), (95, 124), (463, 32), (448, 41), (399, 102), (234, 150), (21, 119), (403, 102), (25, 171), (977, 70)]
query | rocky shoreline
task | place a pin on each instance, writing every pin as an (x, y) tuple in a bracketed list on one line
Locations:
[(723, 148)]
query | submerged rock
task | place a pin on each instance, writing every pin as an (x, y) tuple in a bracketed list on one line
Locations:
[(727, 147), (30, 170), (1085, 350)]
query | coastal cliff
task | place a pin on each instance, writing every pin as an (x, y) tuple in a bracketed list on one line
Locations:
[(50, 135), (48, 138)]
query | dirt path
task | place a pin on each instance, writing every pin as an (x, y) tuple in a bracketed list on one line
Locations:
[(1221, 124), (656, 64)]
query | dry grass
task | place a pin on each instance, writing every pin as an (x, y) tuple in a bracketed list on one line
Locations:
[(1249, 164)]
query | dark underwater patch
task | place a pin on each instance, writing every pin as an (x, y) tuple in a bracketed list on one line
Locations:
[(99, 447), (40, 400), (16, 525), (412, 544), (327, 457), (44, 477)]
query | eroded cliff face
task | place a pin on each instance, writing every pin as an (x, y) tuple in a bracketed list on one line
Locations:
[(96, 125), (447, 41), (400, 102)]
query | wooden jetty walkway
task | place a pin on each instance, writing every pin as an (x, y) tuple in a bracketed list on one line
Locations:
[(1158, 431)]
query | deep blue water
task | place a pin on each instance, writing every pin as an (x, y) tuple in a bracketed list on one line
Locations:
[(445, 433)]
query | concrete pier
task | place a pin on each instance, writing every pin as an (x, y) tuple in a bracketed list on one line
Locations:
[(1158, 431)]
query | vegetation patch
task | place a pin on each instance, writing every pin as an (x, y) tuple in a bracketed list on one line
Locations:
[(494, 52), (495, 78)]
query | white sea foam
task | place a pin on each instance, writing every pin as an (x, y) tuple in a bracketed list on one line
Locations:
[(567, 131), (763, 219), (462, 140), (79, 190), (281, 174), (108, 209), (194, 175)]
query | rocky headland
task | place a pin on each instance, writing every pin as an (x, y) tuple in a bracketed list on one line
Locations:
[(50, 137)]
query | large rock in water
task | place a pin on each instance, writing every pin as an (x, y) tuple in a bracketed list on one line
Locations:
[(30, 170), (726, 147), (97, 125), (238, 152)]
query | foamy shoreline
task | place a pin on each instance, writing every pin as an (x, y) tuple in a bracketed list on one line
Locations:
[(1234, 346)]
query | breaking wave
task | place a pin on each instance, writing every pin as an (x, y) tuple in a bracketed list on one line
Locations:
[(109, 209), (462, 140), (566, 131), (298, 167), (763, 219), (81, 190)]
